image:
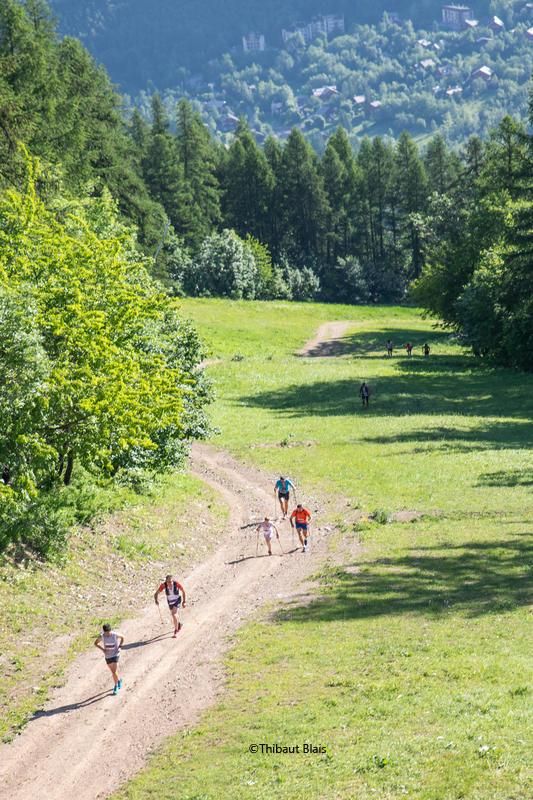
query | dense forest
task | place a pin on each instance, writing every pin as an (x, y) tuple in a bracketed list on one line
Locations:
[(106, 219), (142, 42)]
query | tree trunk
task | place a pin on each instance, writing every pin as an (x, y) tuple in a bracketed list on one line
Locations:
[(70, 465)]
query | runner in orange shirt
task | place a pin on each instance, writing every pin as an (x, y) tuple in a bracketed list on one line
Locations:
[(302, 518)]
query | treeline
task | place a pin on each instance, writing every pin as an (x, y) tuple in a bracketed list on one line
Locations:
[(477, 243)]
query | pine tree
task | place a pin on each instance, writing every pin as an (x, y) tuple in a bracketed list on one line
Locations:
[(305, 205), (248, 183), (199, 200), (411, 190)]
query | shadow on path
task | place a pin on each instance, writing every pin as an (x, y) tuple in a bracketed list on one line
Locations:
[(89, 701)]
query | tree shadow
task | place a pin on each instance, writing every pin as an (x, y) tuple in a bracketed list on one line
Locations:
[(372, 344), (476, 578), (466, 394), (507, 478)]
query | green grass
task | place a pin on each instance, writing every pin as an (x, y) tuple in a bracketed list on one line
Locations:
[(49, 613), (412, 665)]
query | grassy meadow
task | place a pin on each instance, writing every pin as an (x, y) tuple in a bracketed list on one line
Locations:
[(411, 666)]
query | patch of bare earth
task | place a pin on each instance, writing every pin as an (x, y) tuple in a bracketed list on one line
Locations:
[(328, 341)]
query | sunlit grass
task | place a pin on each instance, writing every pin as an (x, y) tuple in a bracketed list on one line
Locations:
[(412, 666)]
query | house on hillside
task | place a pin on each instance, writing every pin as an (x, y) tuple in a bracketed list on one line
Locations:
[(455, 17), (359, 100), (253, 43), (484, 72), (374, 108), (324, 93), (529, 34), (427, 64), (454, 91), (471, 23), (496, 24)]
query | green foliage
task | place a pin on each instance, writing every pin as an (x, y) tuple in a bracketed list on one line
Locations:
[(101, 369)]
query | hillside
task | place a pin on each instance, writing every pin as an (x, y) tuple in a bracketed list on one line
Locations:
[(142, 42), (377, 79)]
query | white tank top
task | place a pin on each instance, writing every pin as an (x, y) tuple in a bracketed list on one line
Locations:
[(110, 643)]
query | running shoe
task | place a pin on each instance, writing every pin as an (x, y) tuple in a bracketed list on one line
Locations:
[(119, 684), (115, 688)]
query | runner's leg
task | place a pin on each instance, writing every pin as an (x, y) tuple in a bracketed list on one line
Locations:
[(113, 668)]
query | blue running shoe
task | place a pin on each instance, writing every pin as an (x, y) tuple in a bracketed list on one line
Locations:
[(115, 688), (119, 684)]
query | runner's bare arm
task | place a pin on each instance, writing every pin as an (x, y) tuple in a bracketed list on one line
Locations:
[(182, 590), (98, 645), (156, 595), (121, 640)]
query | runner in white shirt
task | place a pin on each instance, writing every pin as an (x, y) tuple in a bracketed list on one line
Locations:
[(267, 528), (110, 642)]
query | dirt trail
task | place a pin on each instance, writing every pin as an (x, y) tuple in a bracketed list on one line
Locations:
[(86, 743), (327, 341)]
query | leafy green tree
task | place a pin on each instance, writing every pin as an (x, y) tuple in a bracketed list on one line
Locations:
[(224, 267), (107, 368)]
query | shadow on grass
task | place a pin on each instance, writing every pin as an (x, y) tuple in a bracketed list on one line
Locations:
[(372, 344), (476, 578), (467, 394), (507, 478)]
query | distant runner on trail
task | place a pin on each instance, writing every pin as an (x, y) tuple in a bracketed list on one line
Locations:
[(282, 490), (174, 592), (364, 391), (110, 642), (267, 528), (302, 517), (409, 348), (426, 348), (390, 347)]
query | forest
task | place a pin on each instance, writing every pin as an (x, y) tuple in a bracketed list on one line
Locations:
[(107, 218)]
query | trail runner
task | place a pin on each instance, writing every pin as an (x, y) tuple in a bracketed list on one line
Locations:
[(282, 490), (426, 348), (364, 391), (175, 598), (110, 642), (390, 347), (267, 528), (302, 518), (409, 348)]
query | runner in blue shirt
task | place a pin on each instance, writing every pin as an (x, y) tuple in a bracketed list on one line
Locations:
[(282, 490)]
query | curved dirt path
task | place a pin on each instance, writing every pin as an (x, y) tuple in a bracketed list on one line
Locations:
[(86, 743), (327, 341)]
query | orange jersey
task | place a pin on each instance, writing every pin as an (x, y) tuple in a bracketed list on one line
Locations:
[(301, 515)]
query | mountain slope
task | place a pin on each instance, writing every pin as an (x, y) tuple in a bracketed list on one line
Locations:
[(141, 42)]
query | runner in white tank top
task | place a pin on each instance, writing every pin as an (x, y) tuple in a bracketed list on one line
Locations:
[(110, 642), (267, 528)]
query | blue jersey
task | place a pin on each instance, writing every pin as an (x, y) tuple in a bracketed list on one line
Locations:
[(284, 486)]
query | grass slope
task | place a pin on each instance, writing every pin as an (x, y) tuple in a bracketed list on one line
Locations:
[(49, 613), (411, 666)]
